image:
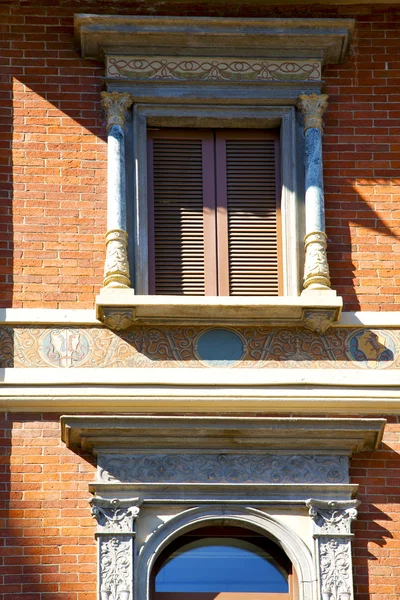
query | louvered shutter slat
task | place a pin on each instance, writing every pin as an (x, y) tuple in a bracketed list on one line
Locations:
[(251, 204), (178, 217)]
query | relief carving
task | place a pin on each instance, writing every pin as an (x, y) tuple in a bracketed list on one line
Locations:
[(116, 268), (222, 468), (333, 516), (116, 532), (335, 569), (316, 269), (332, 534), (169, 68), (115, 106), (116, 569), (115, 516), (312, 108)]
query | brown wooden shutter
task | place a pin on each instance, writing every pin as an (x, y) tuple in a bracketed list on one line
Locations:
[(214, 212), (182, 200), (248, 213)]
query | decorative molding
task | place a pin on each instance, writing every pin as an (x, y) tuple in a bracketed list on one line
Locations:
[(117, 319), (116, 267), (221, 468), (222, 434), (113, 35), (335, 568), (333, 517), (196, 68), (116, 531), (175, 347), (332, 533), (312, 107), (115, 568), (316, 269), (115, 105), (115, 515), (319, 320)]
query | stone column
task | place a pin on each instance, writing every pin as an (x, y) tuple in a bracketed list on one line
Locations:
[(115, 539), (116, 268), (332, 535), (316, 270)]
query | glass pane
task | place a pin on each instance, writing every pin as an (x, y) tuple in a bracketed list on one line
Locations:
[(220, 565)]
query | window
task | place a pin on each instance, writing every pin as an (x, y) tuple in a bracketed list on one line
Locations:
[(228, 563), (214, 223)]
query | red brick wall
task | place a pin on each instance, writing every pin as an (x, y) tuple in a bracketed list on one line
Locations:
[(53, 204), (47, 547)]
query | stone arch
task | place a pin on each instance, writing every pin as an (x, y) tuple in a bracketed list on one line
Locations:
[(250, 518)]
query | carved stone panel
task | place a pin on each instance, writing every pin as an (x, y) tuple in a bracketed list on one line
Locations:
[(115, 535), (221, 468), (332, 534)]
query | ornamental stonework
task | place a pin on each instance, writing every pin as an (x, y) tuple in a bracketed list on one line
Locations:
[(221, 468), (172, 68), (178, 347)]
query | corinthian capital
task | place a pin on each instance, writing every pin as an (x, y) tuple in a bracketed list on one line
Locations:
[(312, 108), (115, 106), (333, 517)]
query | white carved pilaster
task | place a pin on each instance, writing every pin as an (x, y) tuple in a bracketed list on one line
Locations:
[(332, 535), (316, 270), (115, 537), (116, 268)]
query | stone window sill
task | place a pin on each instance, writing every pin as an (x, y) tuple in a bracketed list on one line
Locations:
[(120, 308)]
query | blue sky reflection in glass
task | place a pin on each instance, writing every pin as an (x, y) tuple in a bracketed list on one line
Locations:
[(220, 565)]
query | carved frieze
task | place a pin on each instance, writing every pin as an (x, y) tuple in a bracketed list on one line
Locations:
[(197, 68), (221, 468)]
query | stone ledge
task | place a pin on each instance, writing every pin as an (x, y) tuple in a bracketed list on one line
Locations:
[(343, 436), (120, 308)]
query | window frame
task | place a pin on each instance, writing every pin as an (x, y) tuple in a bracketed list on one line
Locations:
[(210, 117)]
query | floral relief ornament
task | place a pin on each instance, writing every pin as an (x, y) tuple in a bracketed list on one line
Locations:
[(335, 569), (115, 516), (115, 568), (115, 105), (333, 517), (312, 107)]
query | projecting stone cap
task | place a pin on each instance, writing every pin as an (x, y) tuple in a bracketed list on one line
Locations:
[(319, 39), (343, 436), (119, 309)]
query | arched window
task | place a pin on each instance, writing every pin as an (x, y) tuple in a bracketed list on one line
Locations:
[(224, 563)]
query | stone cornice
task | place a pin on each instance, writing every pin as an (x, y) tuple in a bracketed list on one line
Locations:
[(324, 39), (248, 433)]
